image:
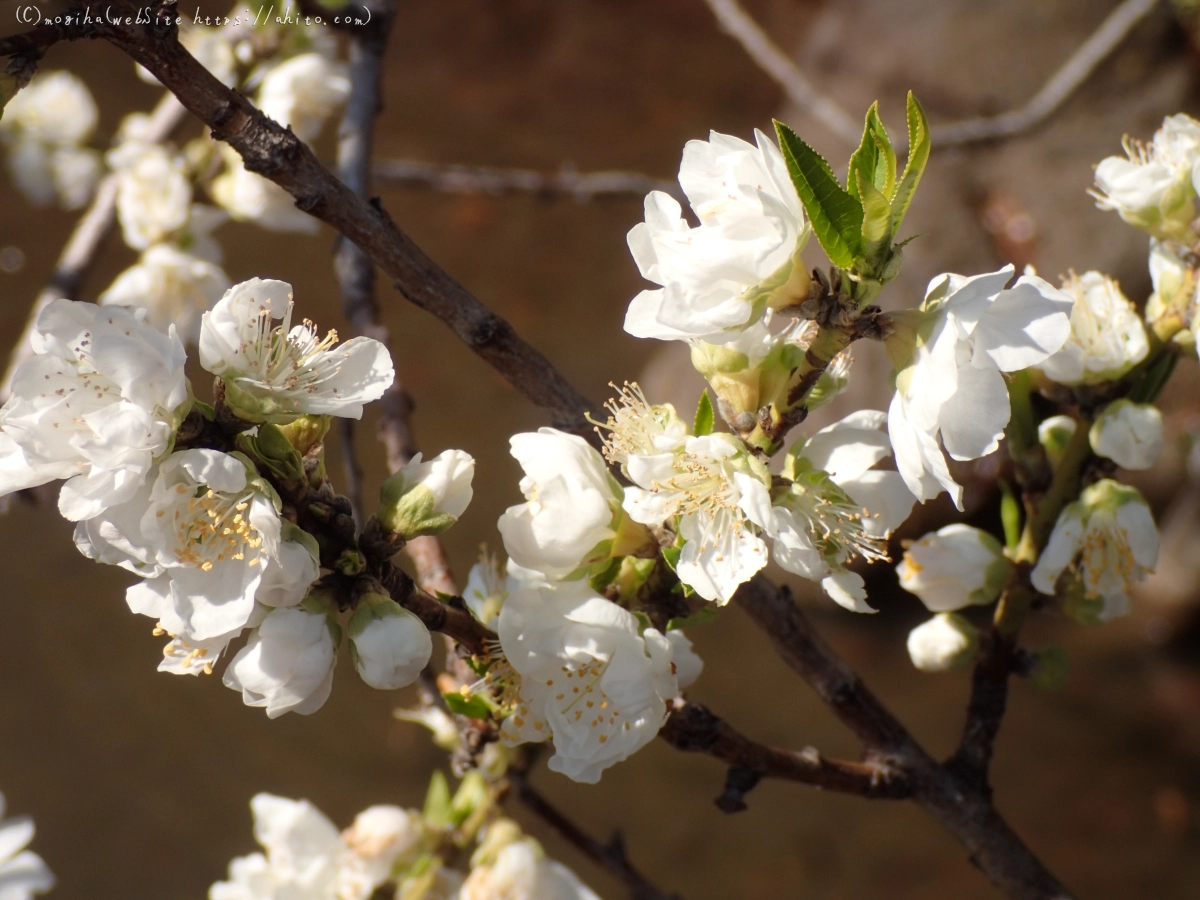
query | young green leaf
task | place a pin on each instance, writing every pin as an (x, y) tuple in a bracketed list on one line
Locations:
[(704, 417), (835, 215), (914, 167), (877, 221), (874, 160), (474, 708), (437, 802)]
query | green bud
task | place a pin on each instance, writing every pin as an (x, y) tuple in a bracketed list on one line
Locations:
[(1054, 434), (306, 432), (1050, 669), (271, 449)]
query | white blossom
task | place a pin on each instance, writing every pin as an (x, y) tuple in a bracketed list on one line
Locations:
[(55, 108), (305, 858), (487, 588), (426, 498), (154, 195), (1106, 540), (1128, 433), (97, 403), (522, 871), (1107, 336), (380, 838), (22, 872), (577, 670), (743, 257), (949, 364), (274, 373), (836, 507), (45, 126), (945, 642), (389, 645), (712, 484), (287, 665), (251, 198), (954, 567), (1153, 187), (303, 92), (173, 286), (571, 504)]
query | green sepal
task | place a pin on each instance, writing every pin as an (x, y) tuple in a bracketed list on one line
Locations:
[(205, 409), (914, 167), (472, 794), (670, 556), (473, 708), (643, 621), (700, 617), (704, 416), (835, 215), (1010, 515), (269, 446), (436, 812), (1147, 390), (603, 574), (297, 535)]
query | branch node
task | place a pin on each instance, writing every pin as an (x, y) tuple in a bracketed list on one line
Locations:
[(738, 783)]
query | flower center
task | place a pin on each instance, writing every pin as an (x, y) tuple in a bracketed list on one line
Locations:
[(212, 527), (635, 428), (1106, 560), (285, 358), (835, 523)]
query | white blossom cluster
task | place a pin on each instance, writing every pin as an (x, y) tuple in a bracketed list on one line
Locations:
[(100, 404), (23, 873), (304, 857)]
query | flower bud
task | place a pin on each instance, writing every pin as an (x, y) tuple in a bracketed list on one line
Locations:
[(270, 449), (389, 645), (954, 567), (287, 666), (381, 839), (427, 497), (748, 372), (1128, 433), (947, 641), (306, 431), (1054, 434)]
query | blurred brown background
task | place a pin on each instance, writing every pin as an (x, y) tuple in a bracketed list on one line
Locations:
[(139, 782)]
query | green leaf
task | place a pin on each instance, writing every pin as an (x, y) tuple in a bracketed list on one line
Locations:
[(836, 216), (700, 617), (914, 167), (874, 160), (1010, 515), (437, 802), (704, 416), (474, 708), (877, 222), (670, 556)]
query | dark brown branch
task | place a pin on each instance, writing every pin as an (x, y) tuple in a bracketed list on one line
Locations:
[(460, 179), (32, 44), (451, 618), (958, 804), (611, 856), (693, 729), (277, 154)]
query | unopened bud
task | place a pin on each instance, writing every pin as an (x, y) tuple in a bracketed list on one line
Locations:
[(427, 497), (389, 645)]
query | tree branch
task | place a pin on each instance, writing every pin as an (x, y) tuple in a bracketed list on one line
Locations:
[(611, 856), (1061, 85), (459, 179), (276, 153), (694, 729)]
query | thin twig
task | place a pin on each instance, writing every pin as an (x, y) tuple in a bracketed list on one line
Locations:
[(354, 269), (611, 856), (695, 729), (458, 179), (772, 60), (1064, 82), (82, 247)]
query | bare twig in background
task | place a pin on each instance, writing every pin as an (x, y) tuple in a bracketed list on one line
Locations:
[(267, 149), (1073, 73), (610, 857), (457, 179), (354, 269), (81, 248), (779, 65)]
